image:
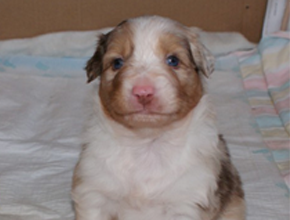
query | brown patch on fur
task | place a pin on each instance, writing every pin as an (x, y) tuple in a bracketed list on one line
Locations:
[(229, 195), (115, 42), (94, 65), (229, 175), (114, 218), (187, 79), (76, 178), (119, 45), (229, 185)]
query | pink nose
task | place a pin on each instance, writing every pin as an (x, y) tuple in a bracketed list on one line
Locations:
[(144, 94)]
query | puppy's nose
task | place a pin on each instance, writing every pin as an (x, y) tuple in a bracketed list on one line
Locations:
[(143, 94)]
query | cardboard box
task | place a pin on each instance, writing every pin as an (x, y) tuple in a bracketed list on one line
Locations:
[(19, 19)]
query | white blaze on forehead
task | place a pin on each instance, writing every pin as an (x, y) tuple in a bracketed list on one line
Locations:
[(146, 34)]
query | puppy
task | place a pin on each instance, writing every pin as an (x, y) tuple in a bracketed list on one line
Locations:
[(152, 150)]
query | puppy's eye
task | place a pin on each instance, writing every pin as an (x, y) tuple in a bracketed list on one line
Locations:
[(118, 63), (172, 61)]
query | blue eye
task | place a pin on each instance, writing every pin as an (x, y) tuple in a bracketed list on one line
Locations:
[(118, 63), (172, 61)]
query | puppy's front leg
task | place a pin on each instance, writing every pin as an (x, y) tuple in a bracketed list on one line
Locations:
[(185, 212), (93, 207), (83, 214)]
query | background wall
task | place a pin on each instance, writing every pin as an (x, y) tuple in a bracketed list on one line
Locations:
[(28, 18)]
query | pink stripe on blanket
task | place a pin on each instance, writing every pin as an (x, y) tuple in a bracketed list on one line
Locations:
[(245, 54), (283, 34), (278, 145), (259, 84), (277, 79), (264, 111), (284, 104)]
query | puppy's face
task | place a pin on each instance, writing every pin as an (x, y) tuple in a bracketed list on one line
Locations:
[(149, 69)]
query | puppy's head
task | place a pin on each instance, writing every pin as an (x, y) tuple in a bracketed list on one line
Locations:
[(149, 69)]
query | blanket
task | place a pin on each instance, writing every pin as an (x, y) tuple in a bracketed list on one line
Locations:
[(266, 77), (45, 102)]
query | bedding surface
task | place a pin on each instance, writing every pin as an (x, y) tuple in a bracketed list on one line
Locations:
[(266, 78), (44, 104)]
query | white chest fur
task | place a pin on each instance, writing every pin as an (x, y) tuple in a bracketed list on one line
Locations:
[(164, 171)]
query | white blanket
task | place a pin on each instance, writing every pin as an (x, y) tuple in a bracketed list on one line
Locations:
[(42, 116), (83, 44)]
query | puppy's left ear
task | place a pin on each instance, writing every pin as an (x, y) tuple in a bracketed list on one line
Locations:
[(94, 66), (202, 57)]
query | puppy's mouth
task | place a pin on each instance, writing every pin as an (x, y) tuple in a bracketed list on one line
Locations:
[(146, 116), (150, 111), (146, 112)]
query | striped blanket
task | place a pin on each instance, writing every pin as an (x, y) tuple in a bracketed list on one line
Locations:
[(266, 77)]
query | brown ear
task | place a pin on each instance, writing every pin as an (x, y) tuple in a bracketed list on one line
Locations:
[(202, 57), (94, 66)]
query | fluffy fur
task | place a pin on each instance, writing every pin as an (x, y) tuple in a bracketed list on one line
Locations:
[(152, 150)]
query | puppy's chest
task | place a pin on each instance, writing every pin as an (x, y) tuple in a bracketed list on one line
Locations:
[(148, 164), (159, 171)]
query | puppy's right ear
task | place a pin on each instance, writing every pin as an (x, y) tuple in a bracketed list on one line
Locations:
[(94, 66)]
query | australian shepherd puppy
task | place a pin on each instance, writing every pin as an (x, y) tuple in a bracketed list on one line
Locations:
[(152, 150)]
